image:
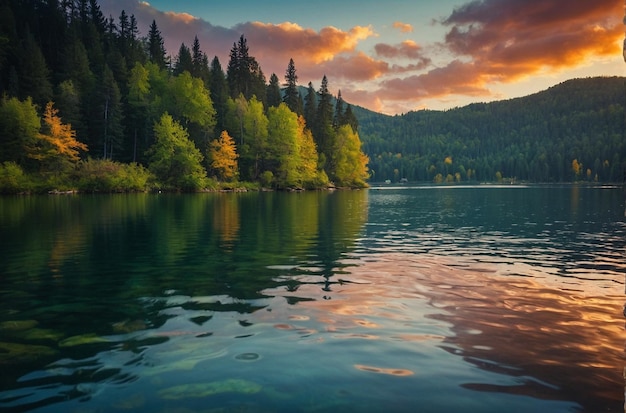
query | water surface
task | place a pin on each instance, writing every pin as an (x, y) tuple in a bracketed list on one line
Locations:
[(482, 299)]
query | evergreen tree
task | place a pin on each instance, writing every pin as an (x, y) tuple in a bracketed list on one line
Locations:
[(184, 61), (218, 88), (137, 116), (292, 97), (136, 51), (243, 73), (350, 119), (34, 77), (323, 132), (238, 70), (124, 33), (258, 88), (76, 64), (67, 98), (310, 107), (113, 115), (156, 47), (96, 16), (273, 92), (200, 62), (338, 118)]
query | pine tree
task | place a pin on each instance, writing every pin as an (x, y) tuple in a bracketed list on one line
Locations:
[(350, 119), (218, 88), (310, 107), (112, 115), (138, 101), (323, 132), (184, 61), (238, 70), (243, 73), (292, 97), (200, 62), (273, 92), (34, 77), (338, 118), (156, 48)]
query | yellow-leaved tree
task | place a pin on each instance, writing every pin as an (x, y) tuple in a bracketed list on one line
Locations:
[(223, 157), (56, 147)]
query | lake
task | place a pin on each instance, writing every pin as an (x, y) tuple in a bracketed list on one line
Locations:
[(395, 299)]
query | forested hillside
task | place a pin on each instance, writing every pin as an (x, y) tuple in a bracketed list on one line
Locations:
[(573, 131), (96, 104)]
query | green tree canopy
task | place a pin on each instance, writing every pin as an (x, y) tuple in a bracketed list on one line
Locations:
[(349, 163), (19, 128), (174, 159)]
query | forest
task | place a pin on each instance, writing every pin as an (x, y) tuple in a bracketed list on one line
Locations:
[(90, 104), (572, 132)]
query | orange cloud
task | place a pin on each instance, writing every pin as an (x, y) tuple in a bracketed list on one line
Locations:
[(403, 27), (518, 37), (407, 48), (182, 17), (501, 41), (353, 67), (487, 42), (455, 78), (288, 38)]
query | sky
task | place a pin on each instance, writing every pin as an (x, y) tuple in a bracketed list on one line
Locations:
[(395, 56)]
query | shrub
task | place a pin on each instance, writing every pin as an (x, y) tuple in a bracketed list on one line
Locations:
[(12, 178), (97, 175)]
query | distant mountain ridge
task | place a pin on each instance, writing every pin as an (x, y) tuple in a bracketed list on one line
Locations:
[(534, 138)]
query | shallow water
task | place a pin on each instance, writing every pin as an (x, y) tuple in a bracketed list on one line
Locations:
[(435, 299)]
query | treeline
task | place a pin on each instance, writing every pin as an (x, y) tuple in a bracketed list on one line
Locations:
[(88, 103), (574, 131)]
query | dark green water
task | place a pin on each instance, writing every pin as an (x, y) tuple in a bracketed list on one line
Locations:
[(479, 299)]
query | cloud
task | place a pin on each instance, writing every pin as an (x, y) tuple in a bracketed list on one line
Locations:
[(352, 67), (455, 78), (520, 38), (287, 39), (403, 27), (486, 42), (503, 41), (327, 51), (407, 48)]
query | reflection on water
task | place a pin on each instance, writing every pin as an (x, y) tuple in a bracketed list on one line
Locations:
[(559, 345), (448, 299)]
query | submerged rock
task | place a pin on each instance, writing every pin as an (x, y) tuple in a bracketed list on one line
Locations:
[(199, 390), (17, 325), (13, 353), (82, 339), (41, 334), (129, 326)]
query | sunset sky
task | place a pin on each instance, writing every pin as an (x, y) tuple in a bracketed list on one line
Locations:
[(399, 55)]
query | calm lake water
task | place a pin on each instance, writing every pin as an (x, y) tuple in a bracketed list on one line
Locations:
[(430, 299)]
